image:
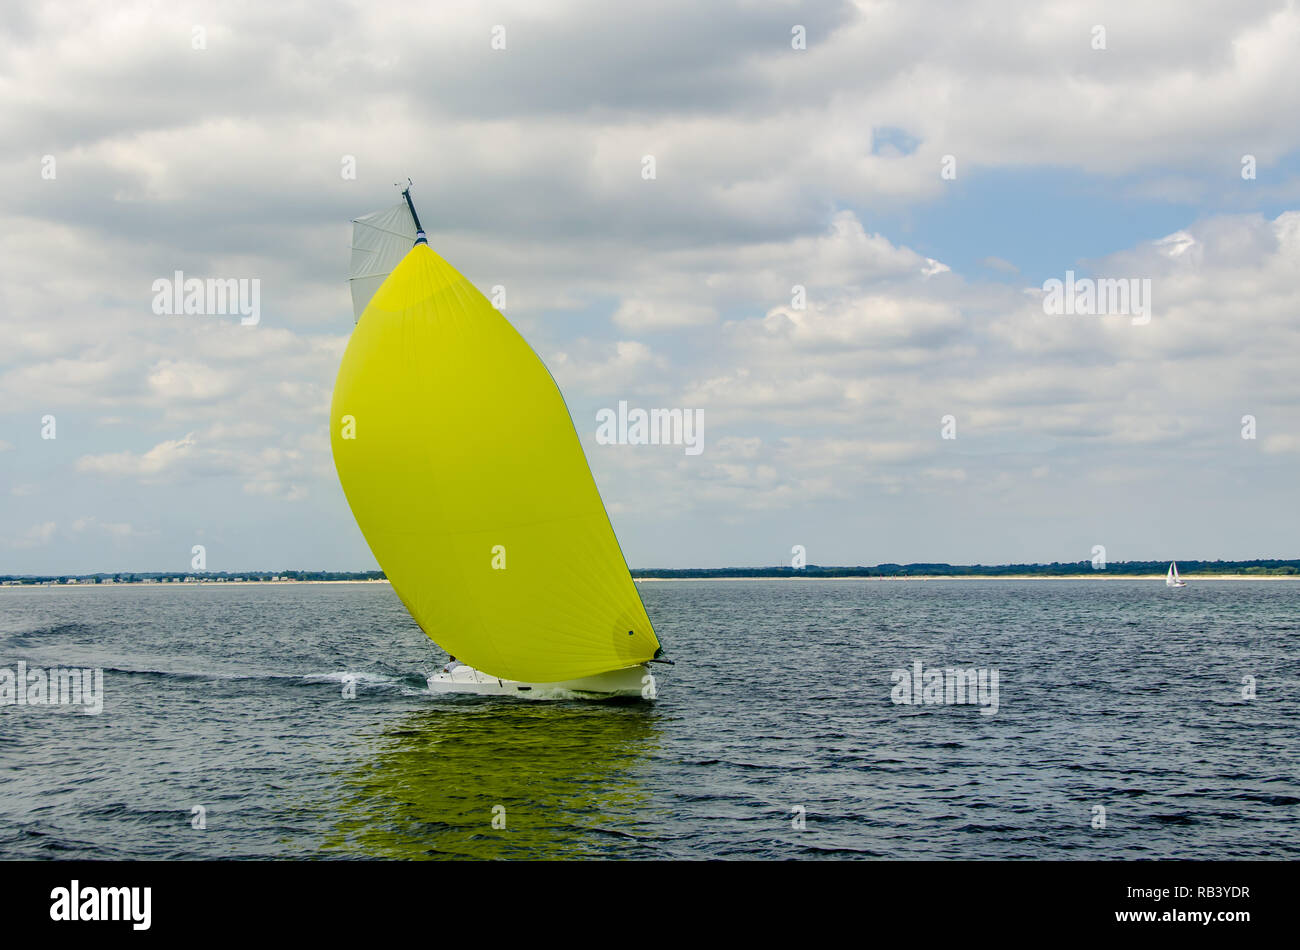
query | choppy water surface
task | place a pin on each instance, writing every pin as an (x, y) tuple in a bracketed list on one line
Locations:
[(1112, 693)]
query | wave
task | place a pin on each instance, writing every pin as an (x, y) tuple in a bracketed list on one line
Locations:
[(360, 677), (23, 637)]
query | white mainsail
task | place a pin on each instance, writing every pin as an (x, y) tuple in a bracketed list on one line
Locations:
[(1171, 578), (379, 242)]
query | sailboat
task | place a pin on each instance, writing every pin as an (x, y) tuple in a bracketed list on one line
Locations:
[(1172, 579), (464, 471)]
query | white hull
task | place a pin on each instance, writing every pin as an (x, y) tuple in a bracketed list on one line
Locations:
[(634, 681)]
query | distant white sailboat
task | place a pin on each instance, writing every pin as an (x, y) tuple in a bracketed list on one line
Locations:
[(1172, 579)]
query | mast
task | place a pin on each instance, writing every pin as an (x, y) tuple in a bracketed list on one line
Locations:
[(419, 231)]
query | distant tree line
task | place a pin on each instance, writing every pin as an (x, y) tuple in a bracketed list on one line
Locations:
[(180, 577), (1056, 568), (1262, 567)]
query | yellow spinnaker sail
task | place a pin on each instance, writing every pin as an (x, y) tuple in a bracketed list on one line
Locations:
[(462, 466)]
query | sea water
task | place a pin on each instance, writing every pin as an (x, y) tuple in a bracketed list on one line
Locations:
[(256, 721)]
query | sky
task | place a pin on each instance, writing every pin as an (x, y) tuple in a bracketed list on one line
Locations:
[(921, 171)]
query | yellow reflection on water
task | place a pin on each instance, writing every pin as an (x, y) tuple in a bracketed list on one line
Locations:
[(563, 778)]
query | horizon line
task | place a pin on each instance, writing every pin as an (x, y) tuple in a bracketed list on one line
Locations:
[(892, 566)]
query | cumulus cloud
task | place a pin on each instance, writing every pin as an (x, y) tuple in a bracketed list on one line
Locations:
[(756, 277), (602, 368), (37, 535), (114, 529), (159, 459), (661, 315)]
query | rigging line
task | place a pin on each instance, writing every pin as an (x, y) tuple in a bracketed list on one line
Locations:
[(372, 227)]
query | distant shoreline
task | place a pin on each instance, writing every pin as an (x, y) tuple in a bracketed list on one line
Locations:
[(196, 583), (1192, 569), (677, 580), (986, 577)]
